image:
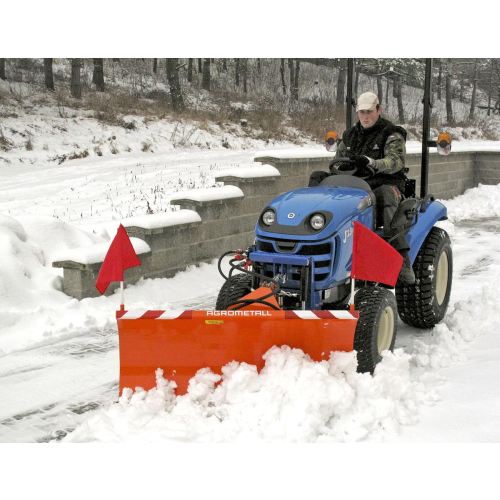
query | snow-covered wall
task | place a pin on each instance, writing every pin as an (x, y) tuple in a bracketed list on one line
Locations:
[(213, 220)]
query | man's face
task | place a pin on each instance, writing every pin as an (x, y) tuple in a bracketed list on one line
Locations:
[(368, 118)]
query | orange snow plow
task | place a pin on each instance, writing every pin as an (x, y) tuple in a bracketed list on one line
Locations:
[(182, 342)]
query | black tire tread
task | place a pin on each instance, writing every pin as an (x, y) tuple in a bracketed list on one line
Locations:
[(370, 302), (415, 302), (239, 286)]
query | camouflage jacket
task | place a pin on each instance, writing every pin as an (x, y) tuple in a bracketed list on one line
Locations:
[(384, 143)]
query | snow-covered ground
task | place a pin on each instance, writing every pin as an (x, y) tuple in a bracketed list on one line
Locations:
[(59, 364)]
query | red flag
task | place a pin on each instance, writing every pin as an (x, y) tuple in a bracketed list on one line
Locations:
[(373, 259), (121, 255)]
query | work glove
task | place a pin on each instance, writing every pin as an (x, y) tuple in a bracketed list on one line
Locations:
[(365, 166)]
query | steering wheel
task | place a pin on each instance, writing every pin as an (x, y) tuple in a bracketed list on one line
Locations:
[(363, 173)]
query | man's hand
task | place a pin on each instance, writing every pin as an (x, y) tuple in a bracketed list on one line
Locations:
[(364, 165)]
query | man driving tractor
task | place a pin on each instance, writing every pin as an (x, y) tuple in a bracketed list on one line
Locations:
[(377, 149)]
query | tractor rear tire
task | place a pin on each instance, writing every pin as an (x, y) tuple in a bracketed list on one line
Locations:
[(377, 325), (424, 304), (239, 285)]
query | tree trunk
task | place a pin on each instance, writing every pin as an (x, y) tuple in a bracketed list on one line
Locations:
[(490, 90), (292, 76), (98, 76), (296, 80), (258, 66), (172, 68), (155, 66), (205, 83), (400, 101), (440, 80), (2, 69), (388, 81), (474, 91), (356, 81), (341, 82), (49, 75), (237, 72), (224, 65), (76, 88), (380, 90), (282, 73), (449, 108), (190, 70), (244, 66), (395, 86), (200, 66), (462, 87)]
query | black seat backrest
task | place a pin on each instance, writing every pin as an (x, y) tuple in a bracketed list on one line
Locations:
[(345, 181)]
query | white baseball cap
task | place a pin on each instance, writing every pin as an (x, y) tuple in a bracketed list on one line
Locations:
[(367, 101)]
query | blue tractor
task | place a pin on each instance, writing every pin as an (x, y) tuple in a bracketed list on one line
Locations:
[(303, 253)]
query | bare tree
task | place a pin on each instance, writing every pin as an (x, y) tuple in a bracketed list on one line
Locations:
[(237, 72), (380, 90), (98, 75), (224, 65), (155, 66), (258, 66), (292, 75), (449, 107), (75, 86), (400, 99), (341, 82), (474, 91), (282, 73), (205, 83), (172, 69), (2, 69), (244, 68), (296, 80), (200, 66), (190, 70), (49, 75), (440, 79)]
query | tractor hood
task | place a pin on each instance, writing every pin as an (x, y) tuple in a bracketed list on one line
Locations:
[(294, 209)]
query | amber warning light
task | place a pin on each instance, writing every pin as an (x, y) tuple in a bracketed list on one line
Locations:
[(444, 144)]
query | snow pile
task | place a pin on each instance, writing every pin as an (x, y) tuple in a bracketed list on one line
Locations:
[(475, 203), (447, 342), (293, 399)]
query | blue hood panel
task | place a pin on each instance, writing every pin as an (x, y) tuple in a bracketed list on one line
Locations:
[(340, 201)]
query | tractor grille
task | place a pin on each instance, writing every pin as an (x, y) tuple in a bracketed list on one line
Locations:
[(291, 246), (322, 267)]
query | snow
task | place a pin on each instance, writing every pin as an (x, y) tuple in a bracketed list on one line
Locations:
[(96, 253), (207, 194), (437, 386), (257, 171), (155, 221)]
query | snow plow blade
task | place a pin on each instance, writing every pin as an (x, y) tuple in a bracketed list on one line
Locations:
[(182, 342)]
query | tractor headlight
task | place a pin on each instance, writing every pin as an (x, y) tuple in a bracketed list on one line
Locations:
[(268, 217), (317, 221)]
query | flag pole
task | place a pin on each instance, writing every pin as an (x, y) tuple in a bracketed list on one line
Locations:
[(122, 304), (351, 300)]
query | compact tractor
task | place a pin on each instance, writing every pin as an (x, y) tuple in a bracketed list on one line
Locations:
[(294, 286)]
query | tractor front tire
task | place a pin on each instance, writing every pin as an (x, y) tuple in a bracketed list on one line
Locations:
[(377, 325), (424, 304), (239, 285)]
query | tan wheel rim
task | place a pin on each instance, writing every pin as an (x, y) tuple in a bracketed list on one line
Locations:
[(442, 278), (385, 330)]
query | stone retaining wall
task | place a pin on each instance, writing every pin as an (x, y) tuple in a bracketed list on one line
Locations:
[(229, 223)]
